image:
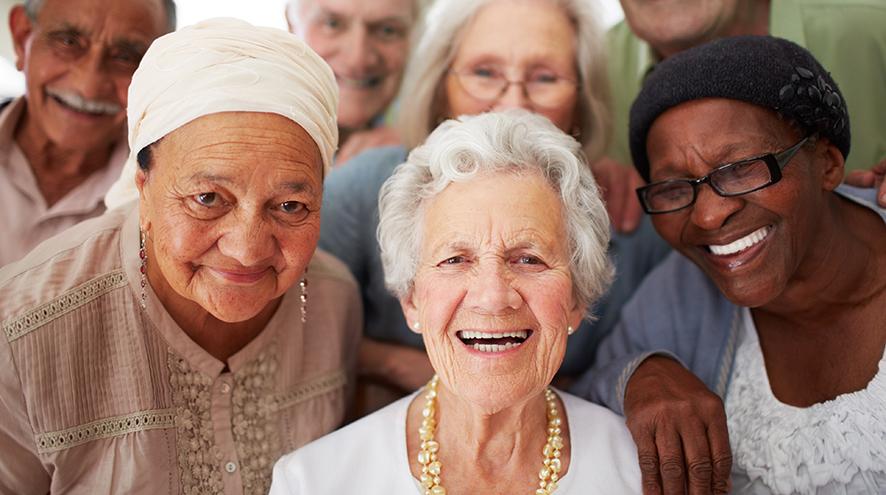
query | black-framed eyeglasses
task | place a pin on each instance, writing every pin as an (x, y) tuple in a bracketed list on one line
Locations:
[(731, 179), (489, 84)]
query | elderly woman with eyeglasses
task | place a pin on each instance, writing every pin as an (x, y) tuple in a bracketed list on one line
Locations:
[(545, 56), (185, 340), (494, 283), (776, 295)]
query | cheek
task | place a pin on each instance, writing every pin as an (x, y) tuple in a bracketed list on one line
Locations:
[(562, 117), (669, 226), (181, 240), (457, 102)]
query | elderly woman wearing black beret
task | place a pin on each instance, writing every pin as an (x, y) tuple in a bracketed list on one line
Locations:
[(775, 296)]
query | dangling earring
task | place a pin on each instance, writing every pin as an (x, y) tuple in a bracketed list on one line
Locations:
[(570, 330), (303, 284), (143, 255)]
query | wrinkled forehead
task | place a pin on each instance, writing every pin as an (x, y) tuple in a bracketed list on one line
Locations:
[(715, 130), (141, 20)]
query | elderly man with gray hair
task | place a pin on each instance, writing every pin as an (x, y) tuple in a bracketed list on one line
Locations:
[(63, 143), (366, 44)]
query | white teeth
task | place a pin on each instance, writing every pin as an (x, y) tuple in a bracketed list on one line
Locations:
[(495, 347), (470, 334), (740, 244), (79, 103)]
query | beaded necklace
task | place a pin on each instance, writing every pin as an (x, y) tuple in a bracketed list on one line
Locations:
[(431, 467)]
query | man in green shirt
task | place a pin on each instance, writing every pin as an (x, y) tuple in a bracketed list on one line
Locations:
[(847, 36)]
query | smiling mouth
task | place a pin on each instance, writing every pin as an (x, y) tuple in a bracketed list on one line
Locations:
[(741, 244), (493, 341), (77, 103), (239, 277), (359, 82)]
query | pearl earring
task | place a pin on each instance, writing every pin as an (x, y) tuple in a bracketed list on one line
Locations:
[(570, 330), (416, 326)]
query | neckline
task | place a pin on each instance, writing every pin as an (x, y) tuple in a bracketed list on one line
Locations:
[(751, 339), (564, 483)]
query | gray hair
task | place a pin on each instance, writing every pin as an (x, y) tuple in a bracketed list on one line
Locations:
[(515, 141), (32, 8), (421, 92)]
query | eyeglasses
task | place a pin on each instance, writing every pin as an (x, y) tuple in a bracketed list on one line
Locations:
[(732, 179), (489, 84)]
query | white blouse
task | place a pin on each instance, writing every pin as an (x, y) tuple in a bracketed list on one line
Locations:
[(833, 447), (369, 456)]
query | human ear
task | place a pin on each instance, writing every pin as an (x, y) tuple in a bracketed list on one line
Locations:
[(21, 28), (410, 311), (576, 314), (833, 165)]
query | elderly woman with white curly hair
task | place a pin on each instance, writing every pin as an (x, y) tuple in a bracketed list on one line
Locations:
[(494, 282)]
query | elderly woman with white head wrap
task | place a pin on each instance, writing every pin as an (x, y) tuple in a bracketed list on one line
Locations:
[(181, 343)]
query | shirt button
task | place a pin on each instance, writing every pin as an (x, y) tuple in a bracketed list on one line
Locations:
[(230, 467), (225, 388)]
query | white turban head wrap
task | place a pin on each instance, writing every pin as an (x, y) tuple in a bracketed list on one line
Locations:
[(226, 65)]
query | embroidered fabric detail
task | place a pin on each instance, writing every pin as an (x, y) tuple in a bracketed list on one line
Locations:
[(310, 389), (70, 300), (199, 459), (255, 433), (105, 428), (837, 446)]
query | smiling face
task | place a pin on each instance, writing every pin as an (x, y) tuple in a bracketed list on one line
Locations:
[(753, 245), (231, 207), (493, 290), (78, 58), (366, 43), (525, 40)]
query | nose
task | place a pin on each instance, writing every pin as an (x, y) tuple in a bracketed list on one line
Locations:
[(90, 77), (248, 239), (491, 291), (514, 96), (360, 54), (711, 210)]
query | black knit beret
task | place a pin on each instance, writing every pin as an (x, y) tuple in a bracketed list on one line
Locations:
[(764, 70)]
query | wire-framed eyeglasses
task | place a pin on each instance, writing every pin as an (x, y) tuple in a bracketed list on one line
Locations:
[(731, 179), (544, 90)]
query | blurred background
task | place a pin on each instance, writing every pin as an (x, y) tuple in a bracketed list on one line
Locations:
[(259, 12)]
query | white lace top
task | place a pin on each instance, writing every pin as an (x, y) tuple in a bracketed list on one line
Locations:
[(833, 447)]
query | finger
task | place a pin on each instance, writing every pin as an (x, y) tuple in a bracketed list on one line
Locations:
[(881, 194), (633, 213), (860, 178), (699, 467), (721, 452), (671, 462), (647, 453)]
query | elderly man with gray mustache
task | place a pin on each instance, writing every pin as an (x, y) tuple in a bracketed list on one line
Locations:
[(63, 143)]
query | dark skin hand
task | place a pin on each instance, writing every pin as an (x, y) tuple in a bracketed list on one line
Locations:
[(679, 427), (871, 178)]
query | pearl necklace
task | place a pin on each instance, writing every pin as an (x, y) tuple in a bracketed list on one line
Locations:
[(431, 467)]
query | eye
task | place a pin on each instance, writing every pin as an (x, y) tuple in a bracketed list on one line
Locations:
[(293, 207), (389, 32), (528, 260), (454, 260), (543, 77), (331, 23), (486, 72), (208, 199)]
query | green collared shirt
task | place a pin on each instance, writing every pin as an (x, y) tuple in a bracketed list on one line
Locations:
[(848, 37)]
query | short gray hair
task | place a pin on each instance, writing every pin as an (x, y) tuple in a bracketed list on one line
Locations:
[(515, 141), (32, 8), (421, 92), (292, 7)]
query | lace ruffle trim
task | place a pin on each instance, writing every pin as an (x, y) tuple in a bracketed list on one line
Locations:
[(794, 449)]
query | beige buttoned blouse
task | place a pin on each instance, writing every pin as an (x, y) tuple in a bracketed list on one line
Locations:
[(100, 396)]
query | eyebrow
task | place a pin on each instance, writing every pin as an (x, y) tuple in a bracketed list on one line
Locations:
[(295, 187)]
